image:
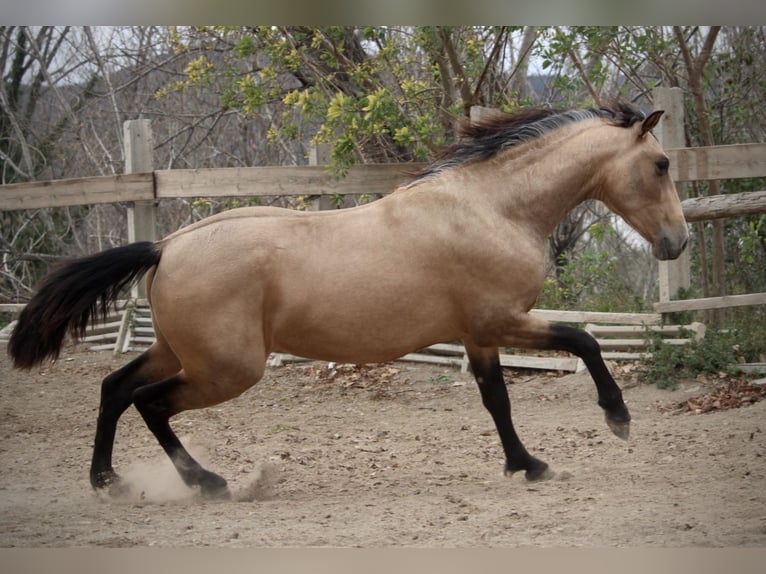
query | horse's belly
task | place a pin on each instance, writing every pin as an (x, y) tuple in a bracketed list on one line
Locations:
[(349, 353), (371, 335)]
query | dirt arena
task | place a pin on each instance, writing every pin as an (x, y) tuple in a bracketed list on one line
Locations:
[(390, 455)]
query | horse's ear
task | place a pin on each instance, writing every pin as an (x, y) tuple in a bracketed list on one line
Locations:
[(650, 122)]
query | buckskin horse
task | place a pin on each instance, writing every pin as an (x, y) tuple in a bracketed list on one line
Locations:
[(455, 254)]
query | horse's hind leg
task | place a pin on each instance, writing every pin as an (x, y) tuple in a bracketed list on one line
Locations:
[(157, 403), (485, 363), (117, 390)]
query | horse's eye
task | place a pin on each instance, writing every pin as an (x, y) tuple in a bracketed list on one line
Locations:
[(662, 166)]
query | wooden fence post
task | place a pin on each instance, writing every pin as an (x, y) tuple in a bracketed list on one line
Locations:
[(673, 275), (479, 113), (319, 154), (139, 158)]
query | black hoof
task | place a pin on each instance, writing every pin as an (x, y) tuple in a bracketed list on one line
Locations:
[(104, 479), (535, 470), (618, 420), (621, 429), (214, 487), (538, 471), (110, 483)]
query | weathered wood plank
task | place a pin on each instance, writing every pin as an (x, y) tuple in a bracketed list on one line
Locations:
[(545, 363), (729, 205), (98, 328), (268, 181), (687, 164), (142, 215), (616, 330), (105, 347), (598, 317), (102, 337), (751, 367), (623, 356), (11, 307), (673, 275), (79, 191), (631, 343), (432, 359), (711, 303), (718, 162)]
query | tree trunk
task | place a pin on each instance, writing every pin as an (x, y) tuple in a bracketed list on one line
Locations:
[(518, 85), (695, 67)]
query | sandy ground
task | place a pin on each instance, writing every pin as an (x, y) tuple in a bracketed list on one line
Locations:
[(393, 455)]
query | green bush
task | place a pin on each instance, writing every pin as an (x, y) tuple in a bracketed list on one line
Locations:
[(590, 281), (746, 323), (714, 354)]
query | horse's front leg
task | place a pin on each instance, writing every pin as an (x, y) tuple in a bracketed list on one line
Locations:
[(582, 344), (485, 363), (529, 332)]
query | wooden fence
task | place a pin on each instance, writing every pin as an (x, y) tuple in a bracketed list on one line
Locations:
[(142, 188)]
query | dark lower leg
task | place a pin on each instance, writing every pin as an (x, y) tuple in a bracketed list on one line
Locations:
[(489, 375), (116, 396), (610, 398), (155, 403)]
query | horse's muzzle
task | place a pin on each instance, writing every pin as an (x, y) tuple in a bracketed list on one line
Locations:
[(670, 247)]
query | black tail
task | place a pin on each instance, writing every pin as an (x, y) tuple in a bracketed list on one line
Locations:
[(71, 294)]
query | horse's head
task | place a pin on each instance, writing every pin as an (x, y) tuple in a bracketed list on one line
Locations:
[(638, 187)]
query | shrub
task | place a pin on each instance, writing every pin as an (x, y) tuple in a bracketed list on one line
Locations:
[(714, 354)]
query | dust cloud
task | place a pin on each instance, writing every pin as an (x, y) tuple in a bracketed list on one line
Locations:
[(156, 481)]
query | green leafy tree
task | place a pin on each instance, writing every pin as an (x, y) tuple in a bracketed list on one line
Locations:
[(376, 94)]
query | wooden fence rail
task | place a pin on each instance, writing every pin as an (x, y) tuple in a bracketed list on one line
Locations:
[(274, 181), (738, 161), (686, 165), (77, 191), (711, 303), (729, 205)]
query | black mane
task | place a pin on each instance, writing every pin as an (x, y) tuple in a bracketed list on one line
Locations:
[(483, 139)]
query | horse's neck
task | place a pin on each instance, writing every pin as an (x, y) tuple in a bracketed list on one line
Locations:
[(541, 190)]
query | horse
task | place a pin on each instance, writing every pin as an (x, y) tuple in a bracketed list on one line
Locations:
[(457, 253)]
